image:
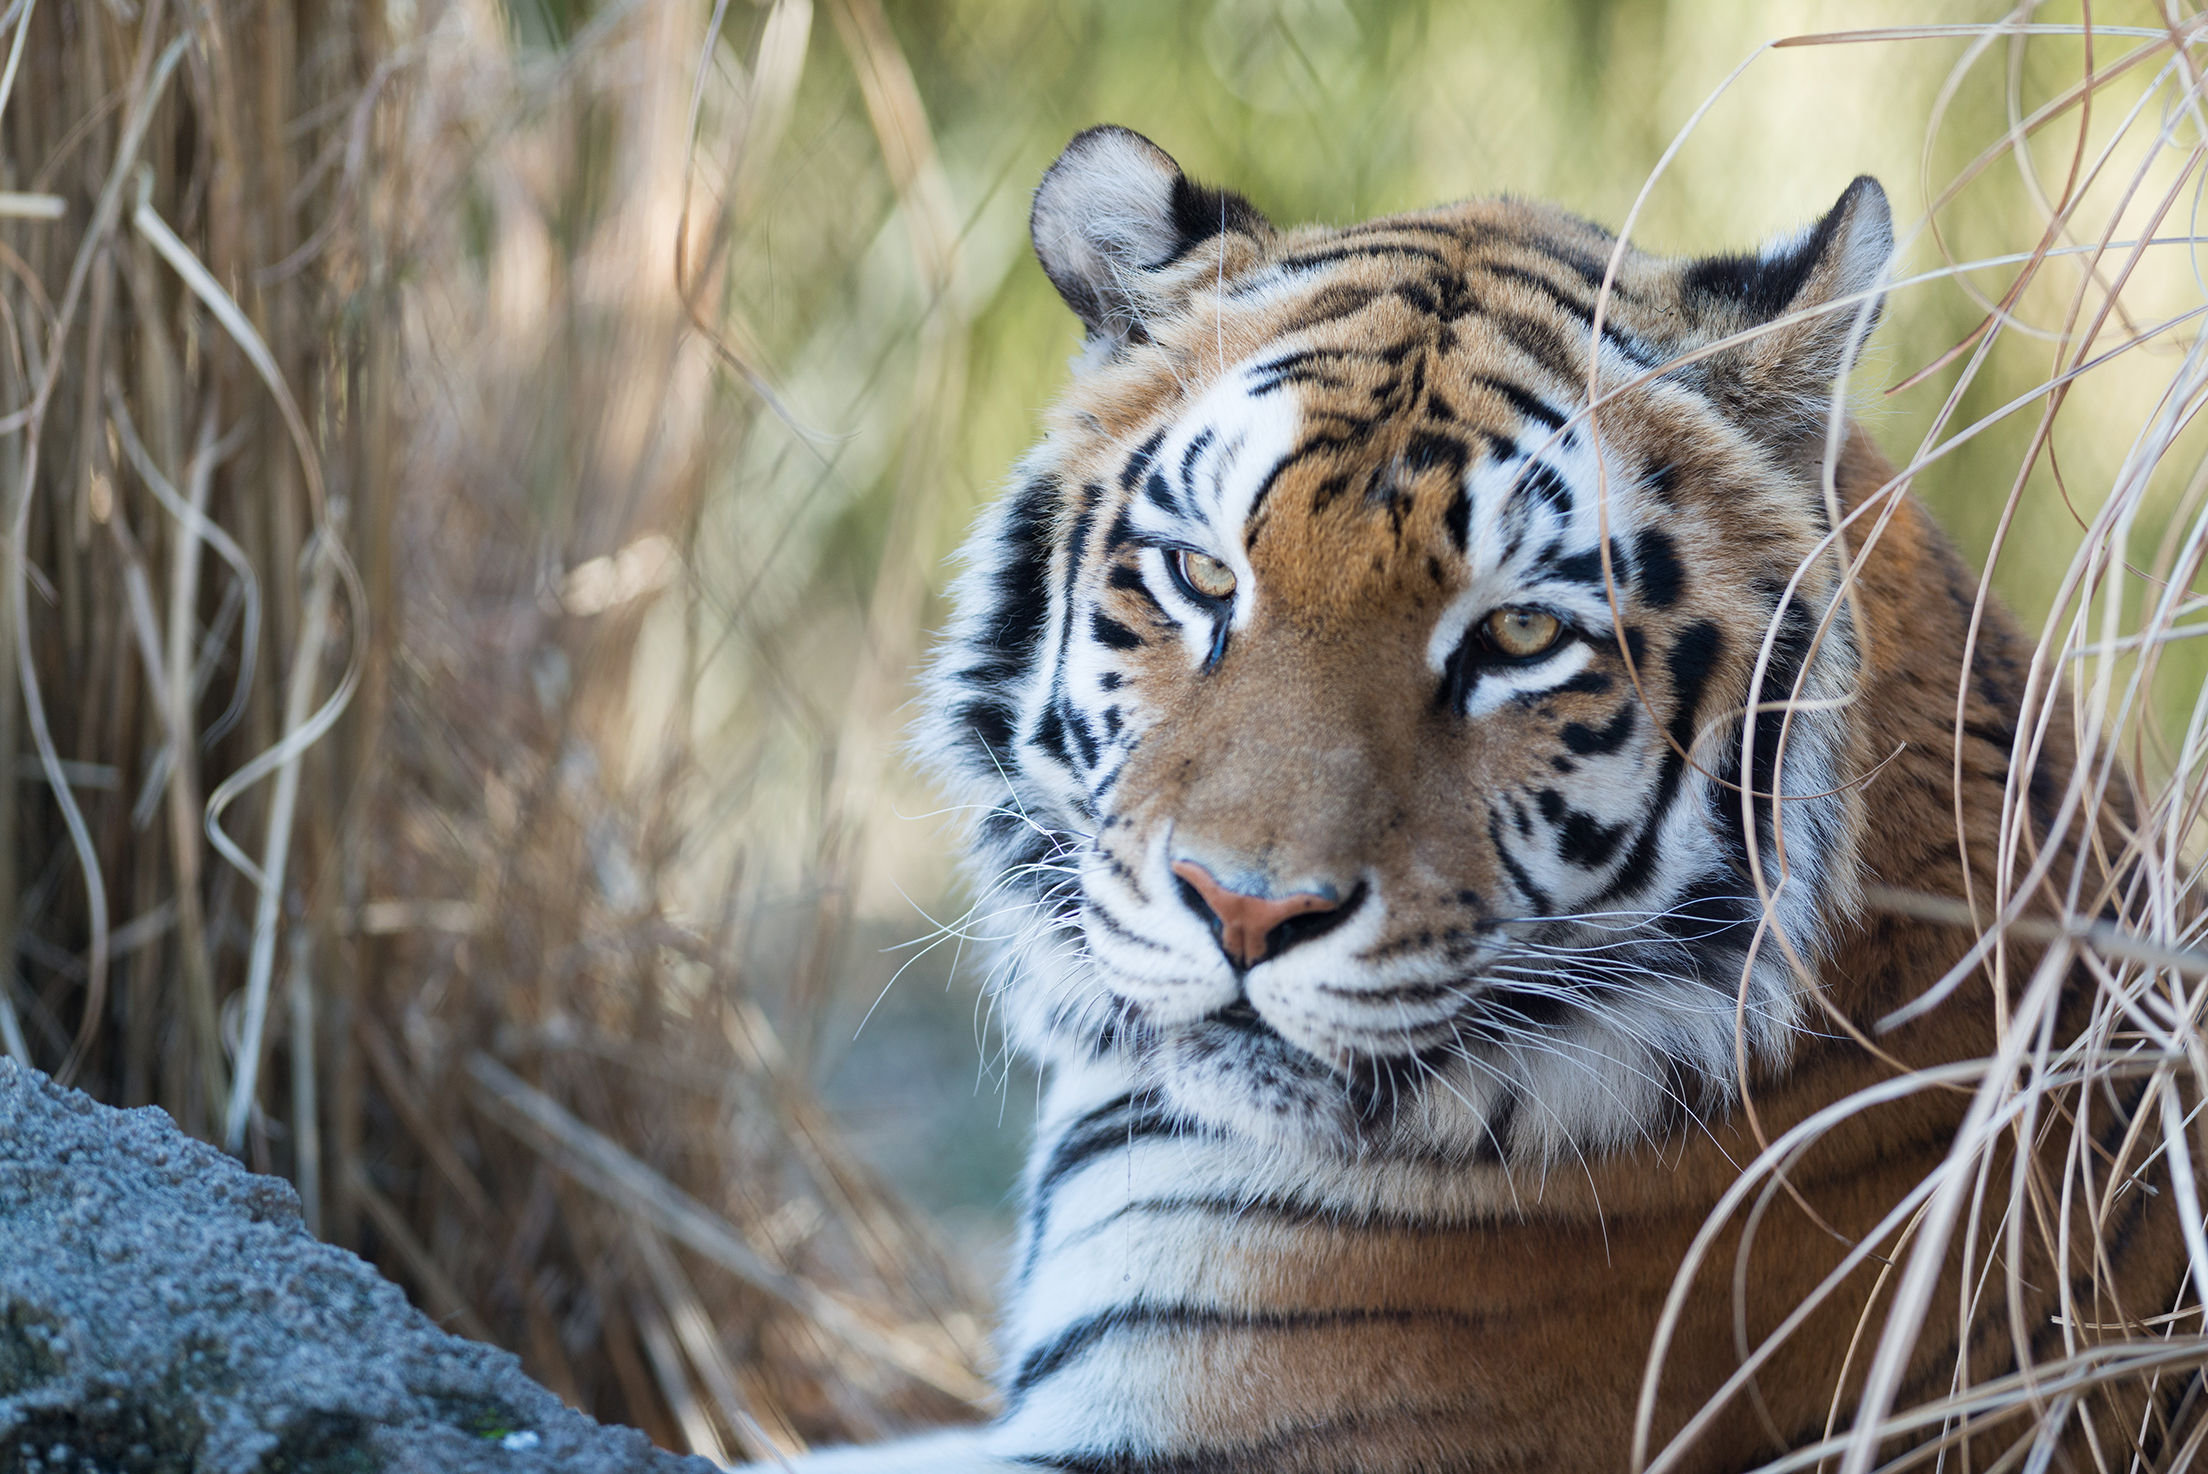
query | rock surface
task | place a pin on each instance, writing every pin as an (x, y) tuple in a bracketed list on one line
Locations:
[(164, 1311)]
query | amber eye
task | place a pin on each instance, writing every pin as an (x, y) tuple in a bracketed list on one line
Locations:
[(1523, 632), (1207, 575)]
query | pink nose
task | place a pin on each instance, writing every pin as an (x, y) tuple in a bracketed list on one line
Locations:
[(1246, 921)]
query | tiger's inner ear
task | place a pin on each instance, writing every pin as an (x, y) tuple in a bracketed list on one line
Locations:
[(1112, 215), (1786, 373)]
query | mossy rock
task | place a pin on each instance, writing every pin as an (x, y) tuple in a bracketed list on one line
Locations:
[(481, 1417), (323, 1443), (115, 1434), (31, 1348)]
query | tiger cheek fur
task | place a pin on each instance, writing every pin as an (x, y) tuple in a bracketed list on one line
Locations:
[(1411, 809)]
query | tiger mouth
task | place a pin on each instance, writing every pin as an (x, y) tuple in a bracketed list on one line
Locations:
[(1243, 1016), (1371, 1081)]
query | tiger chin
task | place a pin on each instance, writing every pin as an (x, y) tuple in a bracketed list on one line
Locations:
[(1426, 773)]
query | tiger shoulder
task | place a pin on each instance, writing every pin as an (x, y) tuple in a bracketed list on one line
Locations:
[(1441, 700)]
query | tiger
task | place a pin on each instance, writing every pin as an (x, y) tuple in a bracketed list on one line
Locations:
[(1433, 707)]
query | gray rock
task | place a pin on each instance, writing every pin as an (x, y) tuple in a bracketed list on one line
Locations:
[(164, 1311)]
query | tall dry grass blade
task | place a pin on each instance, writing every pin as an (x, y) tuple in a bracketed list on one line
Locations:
[(674, 1383), (11, 1027), (260, 967), (701, 1345), (21, 14), (306, 1113)]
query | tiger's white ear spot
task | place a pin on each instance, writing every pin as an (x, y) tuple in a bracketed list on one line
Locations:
[(1112, 210)]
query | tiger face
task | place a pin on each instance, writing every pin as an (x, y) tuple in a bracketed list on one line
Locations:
[(1355, 688)]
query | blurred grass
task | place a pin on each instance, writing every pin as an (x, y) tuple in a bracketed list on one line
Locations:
[(654, 371)]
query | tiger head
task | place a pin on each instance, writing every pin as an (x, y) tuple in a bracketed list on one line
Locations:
[(1354, 687)]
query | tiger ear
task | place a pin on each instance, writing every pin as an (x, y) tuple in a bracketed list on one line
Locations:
[(1111, 214), (1789, 370)]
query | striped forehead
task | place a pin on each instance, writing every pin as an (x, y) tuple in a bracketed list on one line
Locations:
[(1196, 481), (1534, 521), (1525, 506)]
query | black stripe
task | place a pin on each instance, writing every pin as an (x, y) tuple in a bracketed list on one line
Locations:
[(1189, 457), (1138, 464), (1122, 530), (1536, 898), (1318, 445), (1350, 253), (1581, 840), (1710, 914), (1521, 399), (1691, 661), (1083, 1336), (1588, 269), (1587, 742), (1789, 652), (1430, 450), (1117, 1123), (1291, 1213), (1018, 612), (1411, 227), (1131, 581), (1018, 845), (1541, 342), (1458, 517), (1077, 551), (1615, 336), (1050, 735), (1050, 730), (1589, 682), (1071, 724), (1460, 672), (1154, 487), (1662, 579), (1109, 631), (1541, 481), (989, 722)]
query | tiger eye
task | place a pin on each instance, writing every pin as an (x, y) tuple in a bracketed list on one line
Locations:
[(1523, 632), (1207, 575)]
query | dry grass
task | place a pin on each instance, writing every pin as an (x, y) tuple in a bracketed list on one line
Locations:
[(371, 372), (356, 424)]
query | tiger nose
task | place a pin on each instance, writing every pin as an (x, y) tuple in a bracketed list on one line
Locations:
[(1249, 927)]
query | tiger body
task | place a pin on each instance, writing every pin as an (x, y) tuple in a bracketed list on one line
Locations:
[(1385, 851)]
